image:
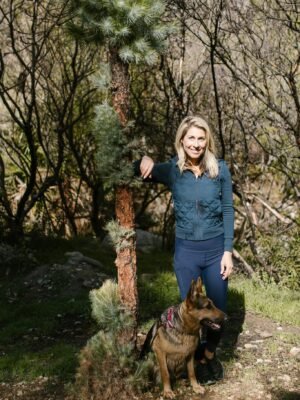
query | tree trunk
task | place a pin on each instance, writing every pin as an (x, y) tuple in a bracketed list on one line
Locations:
[(126, 257)]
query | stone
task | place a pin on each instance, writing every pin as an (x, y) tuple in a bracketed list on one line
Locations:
[(285, 378), (250, 346), (75, 258), (295, 352), (265, 334)]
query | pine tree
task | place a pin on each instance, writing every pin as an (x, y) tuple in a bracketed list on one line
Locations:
[(132, 32)]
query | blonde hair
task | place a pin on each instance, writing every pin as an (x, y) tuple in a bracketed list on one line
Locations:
[(208, 162)]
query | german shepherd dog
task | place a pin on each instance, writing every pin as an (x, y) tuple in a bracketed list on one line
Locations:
[(175, 336)]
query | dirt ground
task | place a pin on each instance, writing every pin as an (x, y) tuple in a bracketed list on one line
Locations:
[(265, 366), (260, 356)]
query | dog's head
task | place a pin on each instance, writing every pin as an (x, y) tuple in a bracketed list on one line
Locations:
[(201, 308)]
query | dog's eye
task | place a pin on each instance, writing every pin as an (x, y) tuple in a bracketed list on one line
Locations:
[(208, 306)]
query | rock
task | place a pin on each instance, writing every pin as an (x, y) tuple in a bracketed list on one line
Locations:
[(285, 378), (265, 334), (295, 352), (250, 346), (88, 284), (75, 258)]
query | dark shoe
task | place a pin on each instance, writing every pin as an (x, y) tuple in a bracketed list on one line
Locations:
[(203, 374), (215, 367)]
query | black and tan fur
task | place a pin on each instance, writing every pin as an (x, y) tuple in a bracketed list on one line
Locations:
[(175, 344)]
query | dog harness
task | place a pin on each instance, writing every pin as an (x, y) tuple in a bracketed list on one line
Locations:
[(168, 317)]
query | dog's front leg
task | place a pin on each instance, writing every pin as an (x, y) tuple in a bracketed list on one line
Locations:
[(164, 372), (192, 377)]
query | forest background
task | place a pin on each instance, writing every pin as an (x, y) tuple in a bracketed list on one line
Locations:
[(235, 63), (63, 159)]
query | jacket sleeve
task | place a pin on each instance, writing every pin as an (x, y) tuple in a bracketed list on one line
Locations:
[(161, 172), (227, 206)]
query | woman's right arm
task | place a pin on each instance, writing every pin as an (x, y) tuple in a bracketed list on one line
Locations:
[(146, 167), (154, 172)]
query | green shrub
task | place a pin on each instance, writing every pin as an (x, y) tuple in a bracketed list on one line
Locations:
[(282, 253), (108, 364)]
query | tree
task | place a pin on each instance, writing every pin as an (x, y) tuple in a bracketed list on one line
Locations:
[(132, 32), (255, 77), (42, 74)]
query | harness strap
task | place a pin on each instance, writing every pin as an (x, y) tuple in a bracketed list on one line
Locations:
[(168, 317)]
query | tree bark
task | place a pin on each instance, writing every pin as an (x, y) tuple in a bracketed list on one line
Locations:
[(126, 257)]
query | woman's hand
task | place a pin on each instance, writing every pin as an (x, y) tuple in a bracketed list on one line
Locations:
[(146, 167), (226, 264)]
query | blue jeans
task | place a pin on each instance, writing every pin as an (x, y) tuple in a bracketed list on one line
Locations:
[(202, 258)]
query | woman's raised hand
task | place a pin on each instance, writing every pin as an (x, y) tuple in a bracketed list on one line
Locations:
[(146, 167)]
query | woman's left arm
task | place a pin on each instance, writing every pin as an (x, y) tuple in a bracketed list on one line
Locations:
[(228, 219), (226, 265)]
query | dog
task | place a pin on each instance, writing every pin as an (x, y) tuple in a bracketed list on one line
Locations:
[(175, 336)]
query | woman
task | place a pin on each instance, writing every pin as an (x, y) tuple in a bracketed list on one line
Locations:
[(202, 195)]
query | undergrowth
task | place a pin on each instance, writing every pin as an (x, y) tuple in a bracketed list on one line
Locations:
[(108, 365), (268, 299), (37, 324)]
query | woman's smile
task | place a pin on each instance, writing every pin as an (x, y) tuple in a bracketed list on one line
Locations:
[(194, 143)]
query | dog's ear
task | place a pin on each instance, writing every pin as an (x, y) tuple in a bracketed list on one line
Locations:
[(192, 289), (191, 294), (194, 294), (199, 285)]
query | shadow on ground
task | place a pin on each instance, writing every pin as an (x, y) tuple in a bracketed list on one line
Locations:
[(285, 395), (234, 325)]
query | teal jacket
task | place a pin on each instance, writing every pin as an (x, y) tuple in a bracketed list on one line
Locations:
[(203, 206)]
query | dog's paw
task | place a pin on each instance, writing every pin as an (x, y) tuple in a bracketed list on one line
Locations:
[(197, 388), (168, 394)]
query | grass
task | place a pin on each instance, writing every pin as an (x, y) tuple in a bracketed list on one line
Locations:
[(24, 364), (280, 304), (21, 321), (156, 293)]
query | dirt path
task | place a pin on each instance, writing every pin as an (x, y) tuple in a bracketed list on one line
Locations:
[(264, 365)]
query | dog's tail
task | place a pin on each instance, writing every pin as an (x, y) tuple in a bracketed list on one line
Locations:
[(149, 339)]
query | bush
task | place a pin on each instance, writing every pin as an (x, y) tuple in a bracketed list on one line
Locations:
[(108, 366), (15, 258), (282, 253)]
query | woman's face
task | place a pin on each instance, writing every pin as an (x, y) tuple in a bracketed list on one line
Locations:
[(194, 144)]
